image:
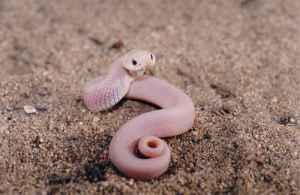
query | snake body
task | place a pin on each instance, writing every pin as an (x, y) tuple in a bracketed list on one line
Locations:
[(126, 79)]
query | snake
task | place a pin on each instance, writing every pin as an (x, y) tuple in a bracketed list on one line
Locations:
[(126, 79)]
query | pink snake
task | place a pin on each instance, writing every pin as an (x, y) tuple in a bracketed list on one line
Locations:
[(126, 79)]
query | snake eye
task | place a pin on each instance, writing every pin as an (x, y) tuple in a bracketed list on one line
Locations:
[(151, 56), (134, 62)]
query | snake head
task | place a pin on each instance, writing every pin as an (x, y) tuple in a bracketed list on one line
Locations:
[(137, 61)]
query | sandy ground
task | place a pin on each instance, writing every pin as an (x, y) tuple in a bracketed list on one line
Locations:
[(239, 61)]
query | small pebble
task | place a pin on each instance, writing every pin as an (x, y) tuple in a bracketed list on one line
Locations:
[(96, 119), (258, 160), (68, 170), (191, 165), (105, 184), (2, 129), (249, 185), (81, 127), (29, 109), (9, 107), (131, 182), (14, 147), (274, 100), (195, 133), (87, 117), (248, 71), (295, 154)]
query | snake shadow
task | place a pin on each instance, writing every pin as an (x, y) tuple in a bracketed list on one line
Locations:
[(121, 104)]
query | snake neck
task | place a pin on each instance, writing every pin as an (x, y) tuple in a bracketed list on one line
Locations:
[(105, 91), (119, 82), (114, 88)]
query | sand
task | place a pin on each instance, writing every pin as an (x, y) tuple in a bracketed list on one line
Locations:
[(238, 60)]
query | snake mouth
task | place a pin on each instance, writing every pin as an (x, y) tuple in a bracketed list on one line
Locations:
[(148, 65)]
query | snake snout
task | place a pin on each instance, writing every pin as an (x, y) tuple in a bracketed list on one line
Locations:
[(147, 64)]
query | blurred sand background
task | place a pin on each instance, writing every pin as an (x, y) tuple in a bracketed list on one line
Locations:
[(239, 61)]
